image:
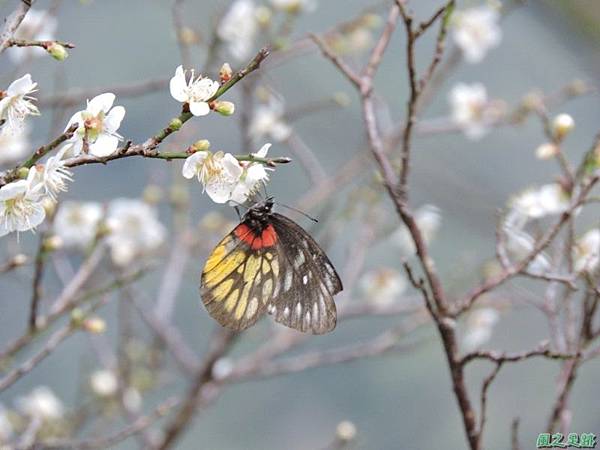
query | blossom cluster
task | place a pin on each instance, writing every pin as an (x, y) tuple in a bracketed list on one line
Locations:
[(475, 31)]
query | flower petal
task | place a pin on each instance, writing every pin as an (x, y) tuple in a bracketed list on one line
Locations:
[(263, 151), (178, 86), (102, 102), (113, 119), (105, 145), (192, 164), (199, 108), (21, 86), (232, 166)]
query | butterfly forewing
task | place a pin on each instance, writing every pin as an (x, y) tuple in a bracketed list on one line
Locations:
[(270, 265)]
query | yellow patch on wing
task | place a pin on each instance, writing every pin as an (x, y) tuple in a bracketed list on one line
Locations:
[(224, 268), (232, 300), (220, 292)]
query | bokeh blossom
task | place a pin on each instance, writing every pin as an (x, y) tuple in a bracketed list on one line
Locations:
[(76, 223), (238, 28), (476, 31)]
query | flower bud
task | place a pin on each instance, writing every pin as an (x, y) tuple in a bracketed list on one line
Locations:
[(52, 243), (49, 206), (224, 108), (562, 125), (187, 36), (345, 431), (57, 51), (175, 124), (201, 145), (22, 172), (341, 99), (77, 317), (94, 325), (263, 16), (546, 151), (19, 259), (225, 73), (152, 194)]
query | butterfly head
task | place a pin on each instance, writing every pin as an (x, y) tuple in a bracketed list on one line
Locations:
[(258, 214)]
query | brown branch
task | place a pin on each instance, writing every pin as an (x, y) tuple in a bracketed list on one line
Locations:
[(220, 344), (487, 382), (43, 44), (135, 427), (12, 22), (336, 60)]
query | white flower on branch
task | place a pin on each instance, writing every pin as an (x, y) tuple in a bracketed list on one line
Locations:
[(14, 146), (53, 175), (586, 253), (135, 230), (268, 120), (41, 403), (476, 31), (294, 6), (98, 125), (219, 173), (530, 204), (21, 206), (196, 92), (471, 109), (382, 286), (519, 245), (76, 223), (38, 25), (254, 175), (16, 103), (238, 28), (480, 325), (428, 218), (104, 383)]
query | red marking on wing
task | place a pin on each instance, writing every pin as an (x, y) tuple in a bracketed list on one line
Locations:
[(268, 237)]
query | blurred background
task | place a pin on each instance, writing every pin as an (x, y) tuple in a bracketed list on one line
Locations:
[(400, 400)]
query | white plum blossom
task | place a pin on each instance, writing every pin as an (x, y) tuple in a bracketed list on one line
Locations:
[(586, 253), (476, 31), (14, 145), (222, 368), (532, 203), (38, 25), (53, 175), (480, 325), (238, 28), (104, 383), (428, 219), (41, 403), (519, 245), (470, 109), (294, 6), (382, 286), (268, 120), (196, 92), (253, 176), (135, 230), (98, 125), (16, 103), (21, 206), (76, 223), (219, 173), (132, 399)]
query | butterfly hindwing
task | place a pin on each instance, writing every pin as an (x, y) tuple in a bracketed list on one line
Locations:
[(308, 281)]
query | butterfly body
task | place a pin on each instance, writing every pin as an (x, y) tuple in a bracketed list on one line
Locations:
[(269, 264)]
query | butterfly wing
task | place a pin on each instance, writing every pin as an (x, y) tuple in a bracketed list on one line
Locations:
[(239, 278), (307, 282)]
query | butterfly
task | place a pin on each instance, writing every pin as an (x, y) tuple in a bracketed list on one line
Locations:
[(269, 264)]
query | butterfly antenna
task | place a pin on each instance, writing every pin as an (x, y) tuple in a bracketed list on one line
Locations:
[(298, 211)]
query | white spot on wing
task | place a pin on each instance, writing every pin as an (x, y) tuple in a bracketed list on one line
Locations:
[(298, 309), (305, 279), (299, 260), (307, 319), (252, 308), (288, 280), (286, 312)]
